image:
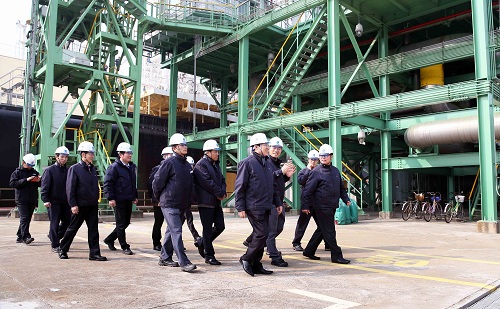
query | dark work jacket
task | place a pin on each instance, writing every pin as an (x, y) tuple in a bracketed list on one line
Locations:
[(279, 178), (150, 183), (255, 188), (54, 184), (26, 191), (173, 183), (209, 182), (82, 186), (120, 182), (323, 188)]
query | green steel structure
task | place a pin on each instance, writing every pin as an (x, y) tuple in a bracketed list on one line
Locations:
[(351, 73)]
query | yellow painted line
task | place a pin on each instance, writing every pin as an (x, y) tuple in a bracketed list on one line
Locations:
[(427, 255)]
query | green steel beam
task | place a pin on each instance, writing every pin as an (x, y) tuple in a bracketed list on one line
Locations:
[(186, 27), (423, 97), (172, 101), (442, 160), (243, 79)]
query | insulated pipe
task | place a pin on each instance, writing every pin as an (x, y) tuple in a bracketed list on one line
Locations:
[(451, 131)]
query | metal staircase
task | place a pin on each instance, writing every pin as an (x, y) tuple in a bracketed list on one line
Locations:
[(295, 70)]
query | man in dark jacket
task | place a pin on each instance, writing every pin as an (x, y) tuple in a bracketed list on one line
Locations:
[(302, 177), (210, 187), (120, 189), (320, 198), (173, 185), (156, 232), (82, 189), (25, 180), (256, 193), (53, 193)]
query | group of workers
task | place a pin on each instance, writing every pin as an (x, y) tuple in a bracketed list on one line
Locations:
[(71, 197)]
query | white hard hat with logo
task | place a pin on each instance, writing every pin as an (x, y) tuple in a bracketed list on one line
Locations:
[(257, 139), (86, 147), (167, 150), (177, 139), (190, 160), (62, 150), (325, 150), (125, 147), (313, 154), (29, 159), (276, 142), (211, 145)]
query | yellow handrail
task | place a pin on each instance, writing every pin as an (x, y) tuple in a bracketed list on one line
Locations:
[(474, 184)]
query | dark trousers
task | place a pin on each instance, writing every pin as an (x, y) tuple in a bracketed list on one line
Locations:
[(301, 227), (173, 236), (59, 216), (324, 219), (123, 211), (89, 215), (212, 220), (188, 217), (156, 233), (25, 213), (260, 226), (276, 224)]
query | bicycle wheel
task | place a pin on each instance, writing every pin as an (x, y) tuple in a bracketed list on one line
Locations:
[(406, 210), (438, 212), (419, 210), (448, 212), (460, 212), (427, 210)]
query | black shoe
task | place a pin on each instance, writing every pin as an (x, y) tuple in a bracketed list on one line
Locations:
[(97, 258), (111, 245), (188, 267), (212, 261), (127, 251), (28, 240), (245, 243), (247, 267), (19, 240), (279, 263), (261, 270), (63, 255), (197, 241), (312, 257), (168, 262), (341, 260), (298, 248), (55, 249), (201, 247), (157, 248)]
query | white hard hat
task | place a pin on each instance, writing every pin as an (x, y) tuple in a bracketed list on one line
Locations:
[(313, 154), (124, 147), (211, 145), (167, 150), (177, 139), (276, 142), (86, 147), (190, 160), (325, 150), (62, 150), (29, 159), (258, 138)]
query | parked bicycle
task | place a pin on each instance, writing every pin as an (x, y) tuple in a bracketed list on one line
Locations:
[(454, 210), (414, 208), (435, 209)]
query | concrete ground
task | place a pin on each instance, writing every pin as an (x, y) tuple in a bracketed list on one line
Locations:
[(395, 264)]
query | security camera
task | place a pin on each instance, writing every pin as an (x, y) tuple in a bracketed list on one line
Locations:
[(361, 137), (359, 30)]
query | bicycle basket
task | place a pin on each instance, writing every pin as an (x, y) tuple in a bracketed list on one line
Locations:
[(419, 197), (459, 198)]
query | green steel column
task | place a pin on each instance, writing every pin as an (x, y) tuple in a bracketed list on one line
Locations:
[(296, 106), (372, 179), (243, 59), (484, 62), (385, 136), (333, 39), (223, 124), (450, 185), (47, 144), (172, 100)]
